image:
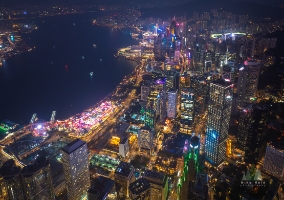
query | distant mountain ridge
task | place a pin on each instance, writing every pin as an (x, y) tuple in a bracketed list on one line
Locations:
[(237, 7)]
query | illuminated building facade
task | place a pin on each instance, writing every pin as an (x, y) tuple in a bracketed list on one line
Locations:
[(76, 169), (10, 181), (248, 82), (229, 148), (186, 126), (172, 103), (187, 104), (170, 80), (274, 160), (154, 100), (150, 117), (124, 175), (251, 131), (145, 140), (219, 111), (37, 180), (158, 184), (185, 80)]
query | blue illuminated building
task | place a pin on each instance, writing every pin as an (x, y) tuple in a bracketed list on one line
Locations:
[(219, 111)]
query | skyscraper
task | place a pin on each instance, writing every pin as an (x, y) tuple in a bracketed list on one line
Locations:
[(145, 91), (159, 49), (150, 117), (219, 111), (187, 103), (124, 175), (37, 180), (154, 101), (145, 140), (251, 131), (274, 160), (139, 190), (248, 82), (158, 184), (172, 104), (101, 188), (10, 181), (76, 169)]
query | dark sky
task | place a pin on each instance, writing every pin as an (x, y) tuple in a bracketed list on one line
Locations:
[(133, 2), (113, 2)]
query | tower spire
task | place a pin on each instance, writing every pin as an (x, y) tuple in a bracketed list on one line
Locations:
[(174, 17)]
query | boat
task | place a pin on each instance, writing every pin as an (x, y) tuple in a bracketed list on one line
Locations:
[(91, 73), (94, 45)]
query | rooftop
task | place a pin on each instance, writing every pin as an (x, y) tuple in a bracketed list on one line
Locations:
[(30, 170), (101, 186), (139, 186), (72, 146), (124, 169), (155, 177)]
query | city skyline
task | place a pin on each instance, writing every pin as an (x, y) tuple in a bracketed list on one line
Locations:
[(185, 106)]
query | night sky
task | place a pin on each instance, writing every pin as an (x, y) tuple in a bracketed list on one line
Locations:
[(127, 2)]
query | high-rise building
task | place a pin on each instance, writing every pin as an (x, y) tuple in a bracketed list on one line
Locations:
[(124, 175), (101, 189), (124, 147), (159, 184), (172, 103), (187, 104), (274, 160), (76, 169), (154, 101), (251, 131), (186, 126), (185, 80), (37, 180), (150, 117), (145, 91), (199, 187), (159, 49), (162, 82), (170, 80), (248, 82), (145, 140), (201, 93), (139, 190), (10, 181), (219, 110), (173, 27)]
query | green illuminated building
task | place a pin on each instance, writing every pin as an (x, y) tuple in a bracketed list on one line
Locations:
[(150, 117)]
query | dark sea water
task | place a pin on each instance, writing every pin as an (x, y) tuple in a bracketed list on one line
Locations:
[(54, 77)]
